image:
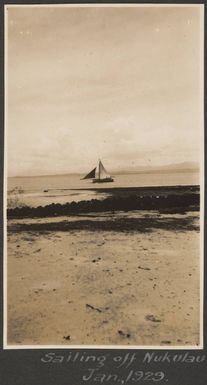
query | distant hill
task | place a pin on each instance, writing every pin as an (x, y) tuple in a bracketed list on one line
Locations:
[(177, 167)]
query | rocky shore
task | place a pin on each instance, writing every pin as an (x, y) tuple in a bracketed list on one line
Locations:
[(178, 199)]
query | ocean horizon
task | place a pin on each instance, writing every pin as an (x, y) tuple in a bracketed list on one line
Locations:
[(43, 190)]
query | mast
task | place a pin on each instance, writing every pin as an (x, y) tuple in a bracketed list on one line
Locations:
[(99, 169)]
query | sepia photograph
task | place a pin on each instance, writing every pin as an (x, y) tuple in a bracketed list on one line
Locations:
[(104, 184)]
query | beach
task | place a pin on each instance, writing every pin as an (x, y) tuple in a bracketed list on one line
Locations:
[(107, 277)]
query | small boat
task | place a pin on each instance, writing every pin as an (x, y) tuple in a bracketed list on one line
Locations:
[(99, 174)]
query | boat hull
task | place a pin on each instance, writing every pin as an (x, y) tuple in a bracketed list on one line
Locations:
[(103, 180)]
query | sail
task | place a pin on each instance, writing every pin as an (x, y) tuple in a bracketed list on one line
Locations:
[(91, 174), (99, 174), (102, 171)]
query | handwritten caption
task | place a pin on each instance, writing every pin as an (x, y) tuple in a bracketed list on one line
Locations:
[(123, 368)]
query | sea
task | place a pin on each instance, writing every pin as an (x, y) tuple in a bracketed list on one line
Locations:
[(37, 191)]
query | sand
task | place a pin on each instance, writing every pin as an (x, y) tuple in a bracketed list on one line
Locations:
[(84, 287)]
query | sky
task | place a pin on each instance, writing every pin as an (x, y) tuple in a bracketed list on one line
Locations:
[(118, 83)]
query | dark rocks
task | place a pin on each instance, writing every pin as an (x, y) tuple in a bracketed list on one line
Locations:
[(67, 338), (93, 308), (96, 260), (125, 335), (166, 342), (152, 318), (177, 200)]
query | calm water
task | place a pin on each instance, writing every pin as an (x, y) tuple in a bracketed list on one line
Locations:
[(64, 188)]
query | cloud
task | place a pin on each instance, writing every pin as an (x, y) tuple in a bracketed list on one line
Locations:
[(102, 82)]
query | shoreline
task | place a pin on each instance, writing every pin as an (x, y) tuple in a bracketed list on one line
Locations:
[(176, 199), (141, 189)]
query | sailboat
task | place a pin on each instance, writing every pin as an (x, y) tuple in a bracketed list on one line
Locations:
[(99, 174)]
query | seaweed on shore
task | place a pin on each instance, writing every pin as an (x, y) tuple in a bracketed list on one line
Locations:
[(142, 225)]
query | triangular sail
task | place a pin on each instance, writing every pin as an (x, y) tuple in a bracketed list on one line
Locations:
[(91, 174), (102, 171)]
